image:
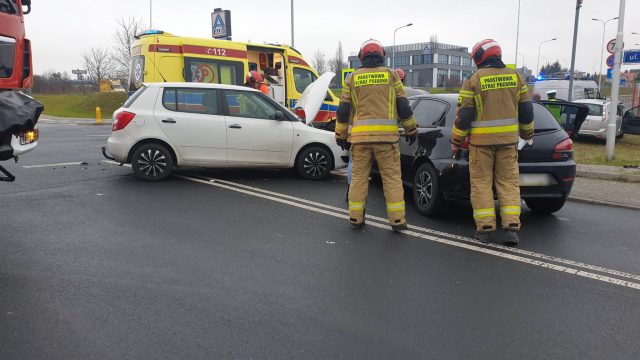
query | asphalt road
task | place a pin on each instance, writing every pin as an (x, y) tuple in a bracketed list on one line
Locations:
[(95, 264)]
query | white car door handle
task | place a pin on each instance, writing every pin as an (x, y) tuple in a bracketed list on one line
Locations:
[(169, 121), (235, 126)]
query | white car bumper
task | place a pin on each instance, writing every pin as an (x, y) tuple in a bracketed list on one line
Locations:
[(119, 144)]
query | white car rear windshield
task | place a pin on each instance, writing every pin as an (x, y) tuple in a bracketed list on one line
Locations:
[(134, 97)]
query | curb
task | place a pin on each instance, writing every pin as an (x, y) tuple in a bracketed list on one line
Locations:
[(73, 122), (603, 203), (608, 176)]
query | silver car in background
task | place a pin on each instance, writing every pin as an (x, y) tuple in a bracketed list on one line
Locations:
[(596, 122)]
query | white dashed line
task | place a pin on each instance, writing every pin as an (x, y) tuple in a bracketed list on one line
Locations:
[(460, 242), (51, 165)]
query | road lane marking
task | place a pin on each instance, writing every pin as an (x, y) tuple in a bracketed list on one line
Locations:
[(465, 245), (115, 163), (449, 235), (51, 165)]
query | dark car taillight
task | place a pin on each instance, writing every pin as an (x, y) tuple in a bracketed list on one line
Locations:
[(122, 120), (563, 150), (465, 144)]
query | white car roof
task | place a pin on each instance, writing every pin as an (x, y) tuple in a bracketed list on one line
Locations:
[(194, 85), (592, 101)]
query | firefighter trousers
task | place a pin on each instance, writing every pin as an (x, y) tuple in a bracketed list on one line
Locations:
[(387, 156), (489, 166)]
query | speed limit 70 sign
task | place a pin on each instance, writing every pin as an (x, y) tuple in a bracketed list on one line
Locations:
[(611, 46)]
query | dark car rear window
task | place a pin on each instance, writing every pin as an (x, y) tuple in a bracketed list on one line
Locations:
[(594, 109), (543, 119)]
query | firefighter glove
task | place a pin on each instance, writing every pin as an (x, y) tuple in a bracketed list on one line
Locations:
[(344, 144), (411, 138)]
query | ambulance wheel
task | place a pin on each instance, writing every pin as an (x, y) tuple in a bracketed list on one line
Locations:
[(427, 195), (314, 163)]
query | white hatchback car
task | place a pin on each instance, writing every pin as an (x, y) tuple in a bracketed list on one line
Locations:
[(596, 122), (164, 125)]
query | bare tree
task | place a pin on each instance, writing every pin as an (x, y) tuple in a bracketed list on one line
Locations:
[(338, 63), (433, 38), (319, 62), (99, 64), (124, 37)]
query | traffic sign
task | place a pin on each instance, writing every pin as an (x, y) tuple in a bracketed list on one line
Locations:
[(345, 74), (609, 73), (610, 61), (631, 57), (221, 23), (611, 46)]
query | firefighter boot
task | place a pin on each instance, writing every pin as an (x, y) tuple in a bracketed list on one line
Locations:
[(483, 237), (511, 237)]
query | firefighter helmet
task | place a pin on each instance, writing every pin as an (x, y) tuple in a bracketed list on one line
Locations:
[(371, 47), (254, 77), (485, 49), (400, 74)]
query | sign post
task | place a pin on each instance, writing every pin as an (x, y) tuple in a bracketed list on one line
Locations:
[(221, 24), (615, 84), (345, 74)]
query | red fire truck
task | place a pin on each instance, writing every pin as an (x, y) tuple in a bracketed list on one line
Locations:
[(19, 112)]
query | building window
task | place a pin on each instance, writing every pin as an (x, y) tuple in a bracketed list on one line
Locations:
[(455, 60), (466, 61), (466, 74), (427, 59), (402, 60), (443, 59), (443, 75), (417, 59)]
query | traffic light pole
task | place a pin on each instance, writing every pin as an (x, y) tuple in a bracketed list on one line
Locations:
[(615, 87)]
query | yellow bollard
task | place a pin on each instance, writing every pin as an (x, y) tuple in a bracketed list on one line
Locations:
[(98, 115)]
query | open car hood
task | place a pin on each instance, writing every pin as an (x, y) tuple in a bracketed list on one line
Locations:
[(571, 115), (314, 95)]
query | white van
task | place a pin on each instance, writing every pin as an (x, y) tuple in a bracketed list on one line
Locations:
[(582, 89)]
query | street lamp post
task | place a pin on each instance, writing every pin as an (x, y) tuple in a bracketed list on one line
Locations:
[(539, 46), (604, 27), (292, 42), (522, 60), (393, 52), (615, 85), (518, 35)]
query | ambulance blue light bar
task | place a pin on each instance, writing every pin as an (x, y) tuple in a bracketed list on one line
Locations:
[(149, 32)]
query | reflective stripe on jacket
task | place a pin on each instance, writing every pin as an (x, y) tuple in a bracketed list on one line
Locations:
[(493, 95), (372, 93)]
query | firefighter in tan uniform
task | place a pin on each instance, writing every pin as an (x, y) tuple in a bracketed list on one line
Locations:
[(372, 101), (493, 109)]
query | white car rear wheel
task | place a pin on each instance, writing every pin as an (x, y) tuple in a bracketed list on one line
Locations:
[(152, 162)]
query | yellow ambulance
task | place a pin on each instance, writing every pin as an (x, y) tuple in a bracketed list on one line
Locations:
[(157, 56)]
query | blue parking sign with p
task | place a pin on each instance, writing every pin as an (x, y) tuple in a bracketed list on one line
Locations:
[(345, 74)]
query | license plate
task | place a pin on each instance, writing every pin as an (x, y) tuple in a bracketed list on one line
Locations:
[(535, 180)]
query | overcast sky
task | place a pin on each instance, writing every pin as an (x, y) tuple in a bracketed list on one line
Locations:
[(61, 30)]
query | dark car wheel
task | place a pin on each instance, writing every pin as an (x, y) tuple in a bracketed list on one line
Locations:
[(314, 163), (427, 195), (545, 205), (152, 162)]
